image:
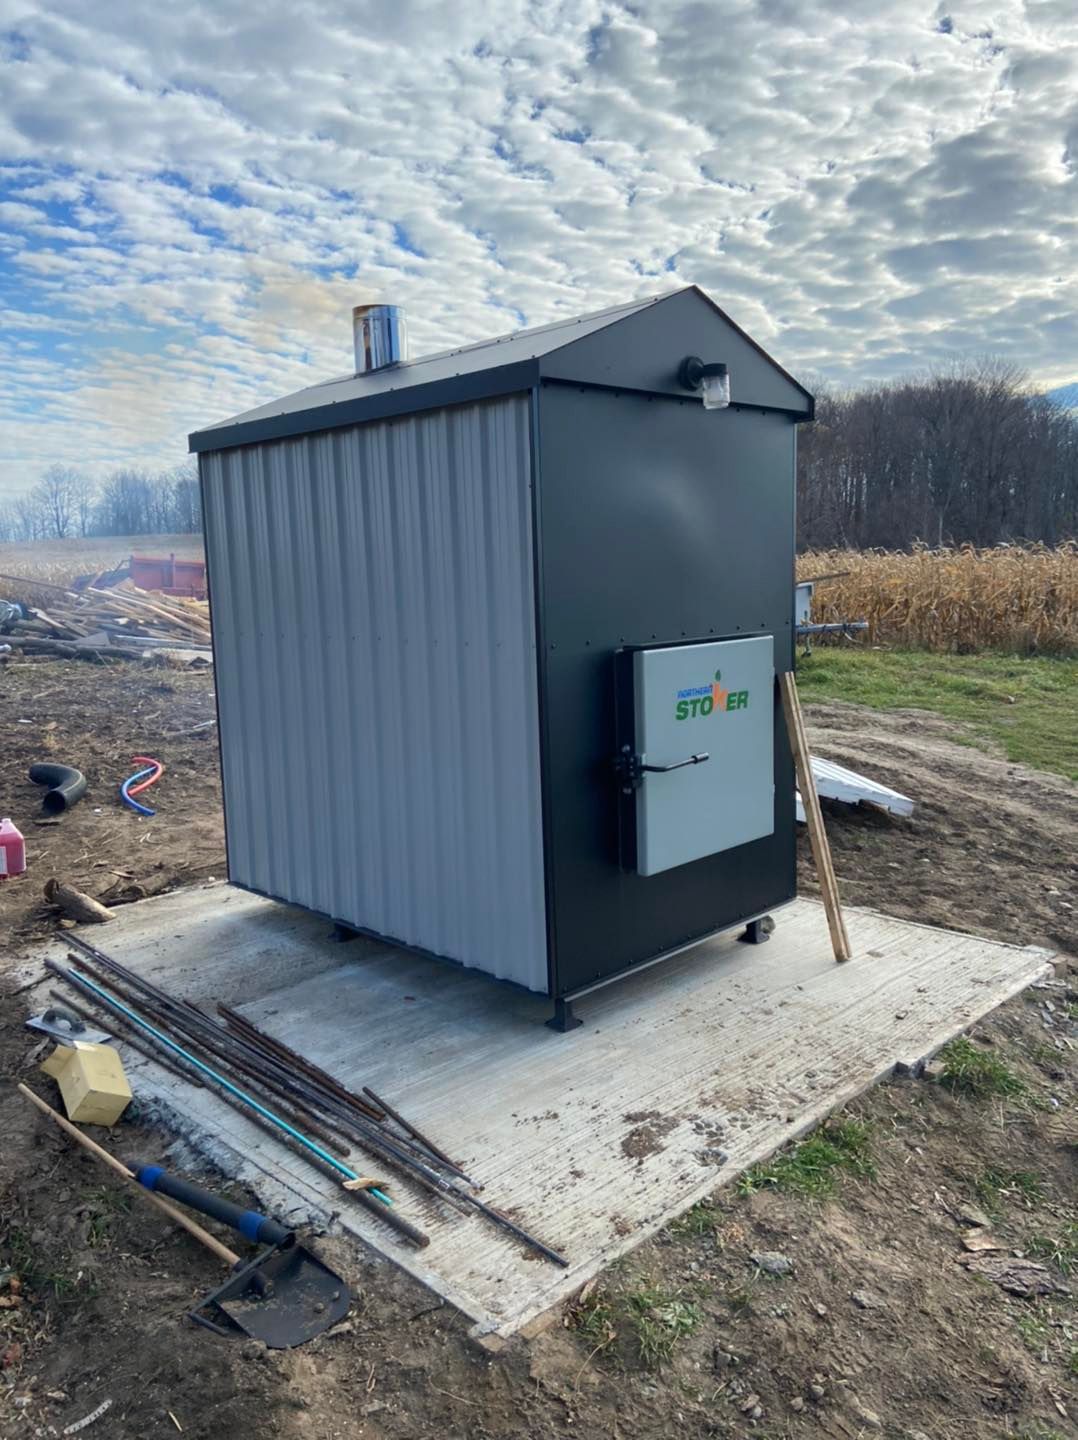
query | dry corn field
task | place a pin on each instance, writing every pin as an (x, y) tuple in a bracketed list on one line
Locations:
[(58, 562), (1018, 599)]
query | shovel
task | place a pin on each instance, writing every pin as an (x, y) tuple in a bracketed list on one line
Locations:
[(284, 1297)]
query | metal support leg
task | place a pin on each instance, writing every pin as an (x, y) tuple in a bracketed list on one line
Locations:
[(758, 932), (342, 933), (563, 1018)]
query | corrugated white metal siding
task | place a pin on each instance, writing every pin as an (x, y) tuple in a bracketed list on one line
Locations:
[(374, 629)]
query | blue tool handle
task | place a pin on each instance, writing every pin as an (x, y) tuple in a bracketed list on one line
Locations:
[(252, 1225)]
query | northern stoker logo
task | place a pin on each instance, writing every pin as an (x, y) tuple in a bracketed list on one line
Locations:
[(709, 700)]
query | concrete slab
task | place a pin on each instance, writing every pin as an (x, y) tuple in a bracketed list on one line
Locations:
[(681, 1077)]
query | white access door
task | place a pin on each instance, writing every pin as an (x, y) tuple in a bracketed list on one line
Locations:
[(714, 699)]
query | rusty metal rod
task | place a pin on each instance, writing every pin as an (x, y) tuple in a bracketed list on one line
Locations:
[(124, 1038), (368, 1133), (379, 1139), (300, 1062), (418, 1167), (296, 1114), (310, 1151), (417, 1134)]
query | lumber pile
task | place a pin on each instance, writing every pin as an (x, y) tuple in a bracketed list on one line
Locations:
[(121, 623)]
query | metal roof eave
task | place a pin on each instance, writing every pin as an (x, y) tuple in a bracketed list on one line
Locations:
[(454, 390)]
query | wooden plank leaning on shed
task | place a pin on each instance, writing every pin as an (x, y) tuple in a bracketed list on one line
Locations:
[(821, 850)]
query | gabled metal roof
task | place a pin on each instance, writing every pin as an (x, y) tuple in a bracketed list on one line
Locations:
[(518, 361)]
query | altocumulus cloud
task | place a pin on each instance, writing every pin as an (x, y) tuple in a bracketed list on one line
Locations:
[(192, 195)]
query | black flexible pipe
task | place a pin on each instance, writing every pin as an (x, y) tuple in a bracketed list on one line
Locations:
[(66, 785)]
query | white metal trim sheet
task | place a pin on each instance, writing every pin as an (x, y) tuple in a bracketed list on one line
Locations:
[(374, 630)]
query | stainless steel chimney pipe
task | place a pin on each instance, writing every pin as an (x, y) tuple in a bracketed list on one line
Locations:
[(380, 336)]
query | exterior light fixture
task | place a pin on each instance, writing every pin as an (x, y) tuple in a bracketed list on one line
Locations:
[(713, 381)]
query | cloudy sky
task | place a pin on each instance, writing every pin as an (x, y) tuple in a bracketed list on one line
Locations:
[(193, 195)]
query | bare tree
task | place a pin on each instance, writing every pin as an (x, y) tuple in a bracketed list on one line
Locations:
[(55, 494), (83, 496)]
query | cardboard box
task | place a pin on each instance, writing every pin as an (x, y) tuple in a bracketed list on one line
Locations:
[(92, 1082)]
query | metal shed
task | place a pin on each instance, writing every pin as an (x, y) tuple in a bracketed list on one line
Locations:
[(496, 634)]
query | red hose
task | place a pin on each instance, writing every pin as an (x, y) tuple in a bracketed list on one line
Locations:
[(150, 779)]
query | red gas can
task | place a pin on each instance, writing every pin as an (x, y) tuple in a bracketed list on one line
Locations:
[(12, 850)]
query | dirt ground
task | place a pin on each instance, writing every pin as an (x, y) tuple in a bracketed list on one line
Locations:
[(97, 719), (877, 1328)]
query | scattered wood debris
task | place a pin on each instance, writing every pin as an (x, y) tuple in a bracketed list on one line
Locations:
[(75, 904), (119, 623)]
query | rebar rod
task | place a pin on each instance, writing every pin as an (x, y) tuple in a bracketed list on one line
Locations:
[(338, 1093), (392, 1218), (300, 1062), (417, 1134), (119, 1007), (370, 1135), (418, 1167), (123, 1037), (289, 1107)]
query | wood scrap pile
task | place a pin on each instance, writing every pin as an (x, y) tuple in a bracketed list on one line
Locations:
[(121, 623)]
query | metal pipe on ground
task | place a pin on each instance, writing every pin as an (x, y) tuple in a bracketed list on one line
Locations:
[(300, 1062), (252, 1105), (294, 1113), (125, 1038), (388, 1145), (271, 1047)]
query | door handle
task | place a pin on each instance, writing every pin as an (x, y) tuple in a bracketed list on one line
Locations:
[(678, 764), (630, 768)]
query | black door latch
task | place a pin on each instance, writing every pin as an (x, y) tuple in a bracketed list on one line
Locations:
[(630, 769)]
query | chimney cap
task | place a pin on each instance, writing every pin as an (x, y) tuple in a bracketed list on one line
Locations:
[(379, 336)]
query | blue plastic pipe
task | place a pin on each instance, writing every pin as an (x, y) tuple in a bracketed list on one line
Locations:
[(129, 799), (218, 1079)]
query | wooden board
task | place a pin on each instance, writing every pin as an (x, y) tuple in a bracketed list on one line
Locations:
[(594, 1139)]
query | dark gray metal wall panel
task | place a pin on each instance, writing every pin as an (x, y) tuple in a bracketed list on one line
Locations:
[(660, 521), (644, 352), (374, 630)]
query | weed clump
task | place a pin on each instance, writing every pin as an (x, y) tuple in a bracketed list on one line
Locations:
[(814, 1166), (977, 1073), (659, 1320)]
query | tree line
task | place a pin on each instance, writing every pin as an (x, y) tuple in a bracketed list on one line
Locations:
[(962, 456), (66, 503)]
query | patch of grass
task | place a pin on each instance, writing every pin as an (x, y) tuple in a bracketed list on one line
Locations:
[(1026, 706), (1060, 1250), (593, 1320), (995, 1186), (659, 1319), (1034, 1332), (702, 1219), (814, 1166), (970, 1071), (104, 1204), (1046, 1057), (41, 1273)]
